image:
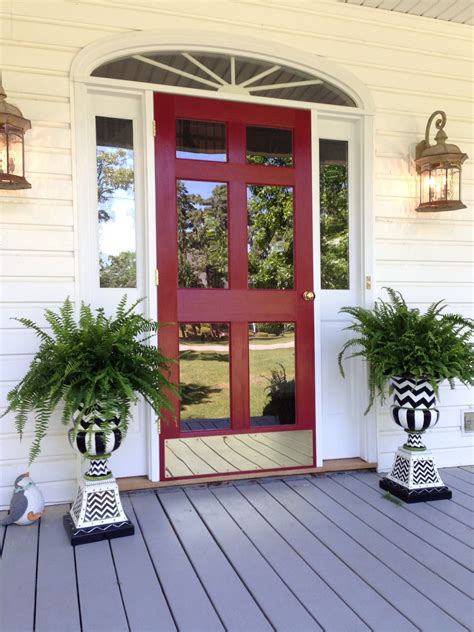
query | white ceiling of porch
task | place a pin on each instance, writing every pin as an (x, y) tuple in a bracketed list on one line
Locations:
[(461, 11)]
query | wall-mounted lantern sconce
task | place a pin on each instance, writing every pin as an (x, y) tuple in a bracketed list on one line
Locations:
[(12, 149), (439, 167)]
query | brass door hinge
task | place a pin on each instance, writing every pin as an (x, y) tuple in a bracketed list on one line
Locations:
[(158, 424), (157, 277), (154, 128), (368, 282)]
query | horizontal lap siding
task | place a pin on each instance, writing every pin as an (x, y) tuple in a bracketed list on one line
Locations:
[(412, 66), (37, 261)]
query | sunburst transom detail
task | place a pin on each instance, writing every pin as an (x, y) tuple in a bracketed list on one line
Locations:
[(224, 73)]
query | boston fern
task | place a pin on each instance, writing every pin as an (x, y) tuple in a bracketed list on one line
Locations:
[(95, 368), (400, 341)]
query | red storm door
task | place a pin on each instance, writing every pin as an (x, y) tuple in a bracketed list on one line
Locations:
[(234, 244)]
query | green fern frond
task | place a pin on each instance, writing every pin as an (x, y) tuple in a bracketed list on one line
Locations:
[(100, 361), (398, 340)]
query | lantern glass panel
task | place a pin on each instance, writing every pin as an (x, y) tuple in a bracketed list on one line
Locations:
[(454, 184), (438, 184), (425, 187), (15, 154)]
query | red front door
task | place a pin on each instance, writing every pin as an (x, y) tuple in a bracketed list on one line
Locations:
[(234, 244)]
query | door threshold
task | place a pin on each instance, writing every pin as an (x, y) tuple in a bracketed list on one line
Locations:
[(133, 483)]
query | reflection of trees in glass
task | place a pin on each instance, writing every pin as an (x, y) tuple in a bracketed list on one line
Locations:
[(113, 175), (202, 237), (118, 270), (273, 161), (334, 227), (270, 226)]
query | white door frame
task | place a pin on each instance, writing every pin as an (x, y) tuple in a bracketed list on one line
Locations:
[(83, 86)]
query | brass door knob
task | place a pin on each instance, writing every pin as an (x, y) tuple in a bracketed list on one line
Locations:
[(309, 295)]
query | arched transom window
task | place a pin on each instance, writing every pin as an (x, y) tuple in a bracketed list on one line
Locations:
[(224, 73)]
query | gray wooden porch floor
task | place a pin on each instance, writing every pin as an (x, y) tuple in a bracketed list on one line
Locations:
[(296, 554)]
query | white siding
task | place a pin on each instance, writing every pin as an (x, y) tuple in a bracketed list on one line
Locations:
[(411, 65)]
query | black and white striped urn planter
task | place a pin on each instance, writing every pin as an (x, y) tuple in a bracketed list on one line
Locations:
[(97, 511), (414, 476)]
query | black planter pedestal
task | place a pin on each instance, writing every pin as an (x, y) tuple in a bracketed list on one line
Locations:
[(415, 495), (96, 533)]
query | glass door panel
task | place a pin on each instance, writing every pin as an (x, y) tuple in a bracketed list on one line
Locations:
[(202, 234), (270, 237), (201, 140), (334, 214), (269, 146), (272, 374), (204, 382)]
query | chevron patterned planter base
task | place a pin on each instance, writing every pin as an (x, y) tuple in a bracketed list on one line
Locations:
[(97, 512), (414, 476)]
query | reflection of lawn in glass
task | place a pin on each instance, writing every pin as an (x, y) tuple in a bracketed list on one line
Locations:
[(205, 378), (273, 340), (191, 342), (261, 365)]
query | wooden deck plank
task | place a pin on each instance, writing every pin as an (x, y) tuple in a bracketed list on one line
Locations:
[(460, 514), (189, 603), (322, 602), (278, 603), (419, 610), (429, 512), (369, 605), (433, 513), (99, 594), (17, 578), (459, 472), (331, 500), (326, 552), (142, 595), (458, 551), (57, 606), (413, 545), (231, 598), (458, 484), (447, 508), (438, 559), (460, 498)]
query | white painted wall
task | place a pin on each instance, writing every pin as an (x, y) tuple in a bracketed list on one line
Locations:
[(412, 65)]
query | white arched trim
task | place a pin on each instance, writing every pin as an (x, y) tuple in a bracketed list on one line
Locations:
[(124, 45)]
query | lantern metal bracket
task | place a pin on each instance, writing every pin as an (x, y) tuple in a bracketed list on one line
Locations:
[(440, 123)]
